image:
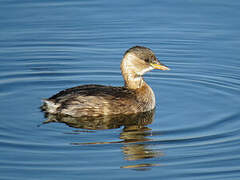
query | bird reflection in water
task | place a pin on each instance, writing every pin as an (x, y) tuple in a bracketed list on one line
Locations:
[(134, 135)]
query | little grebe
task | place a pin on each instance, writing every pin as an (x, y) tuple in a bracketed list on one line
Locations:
[(96, 100)]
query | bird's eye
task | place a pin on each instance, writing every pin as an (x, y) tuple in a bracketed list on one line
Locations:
[(147, 60)]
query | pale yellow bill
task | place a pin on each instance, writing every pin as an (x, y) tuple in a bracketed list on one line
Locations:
[(161, 67)]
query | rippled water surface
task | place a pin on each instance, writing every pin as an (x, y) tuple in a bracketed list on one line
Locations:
[(47, 46)]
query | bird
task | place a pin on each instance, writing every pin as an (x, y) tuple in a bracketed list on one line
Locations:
[(94, 100)]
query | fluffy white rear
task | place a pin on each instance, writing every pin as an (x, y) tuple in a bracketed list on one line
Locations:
[(51, 107)]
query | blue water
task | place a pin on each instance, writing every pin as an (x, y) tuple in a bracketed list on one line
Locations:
[(47, 46)]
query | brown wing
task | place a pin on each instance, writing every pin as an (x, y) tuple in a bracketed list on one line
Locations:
[(94, 100), (93, 90)]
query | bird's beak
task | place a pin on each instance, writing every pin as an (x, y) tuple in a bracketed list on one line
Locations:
[(160, 66)]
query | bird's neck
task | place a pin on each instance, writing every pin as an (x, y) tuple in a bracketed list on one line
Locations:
[(129, 68), (145, 94), (132, 80)]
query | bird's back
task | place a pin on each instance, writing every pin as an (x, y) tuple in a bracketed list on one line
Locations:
[(92, 100)]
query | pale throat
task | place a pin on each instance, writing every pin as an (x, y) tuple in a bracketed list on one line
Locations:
[(132, 72)]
